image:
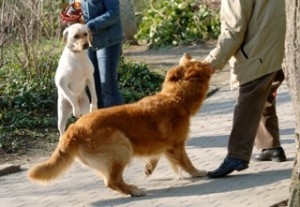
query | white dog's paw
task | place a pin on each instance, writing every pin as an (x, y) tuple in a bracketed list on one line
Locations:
[(76, 112), (93, 107)]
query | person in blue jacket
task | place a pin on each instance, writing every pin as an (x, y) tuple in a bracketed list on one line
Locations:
[(103, 19)]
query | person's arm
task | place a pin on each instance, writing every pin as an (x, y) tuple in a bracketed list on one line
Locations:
[(235, 15), (108, 18)]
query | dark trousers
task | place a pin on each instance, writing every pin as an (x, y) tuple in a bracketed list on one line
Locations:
[(255, 117)]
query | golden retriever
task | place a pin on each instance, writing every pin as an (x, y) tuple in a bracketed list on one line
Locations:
[(107, 139), (75, 71)]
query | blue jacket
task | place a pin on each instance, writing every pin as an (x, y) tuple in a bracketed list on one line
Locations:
[(103, 19)]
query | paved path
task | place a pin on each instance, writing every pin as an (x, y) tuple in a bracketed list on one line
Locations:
[(262, 185)]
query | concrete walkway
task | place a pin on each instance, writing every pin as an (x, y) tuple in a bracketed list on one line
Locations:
[(262, 185)]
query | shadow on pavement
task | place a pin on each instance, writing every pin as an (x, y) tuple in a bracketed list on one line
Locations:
[(210, 186), (222, 140)]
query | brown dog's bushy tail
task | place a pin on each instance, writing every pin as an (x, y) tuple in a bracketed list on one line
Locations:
[(60, 160)]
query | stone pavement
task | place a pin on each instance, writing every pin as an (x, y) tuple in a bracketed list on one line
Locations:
[(262, 185)]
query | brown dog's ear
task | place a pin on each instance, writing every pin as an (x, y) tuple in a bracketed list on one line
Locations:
[(208, 67), (175, 74), (186, 57), (65, 35)]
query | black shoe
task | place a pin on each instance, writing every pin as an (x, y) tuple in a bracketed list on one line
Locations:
[(272, 154), (228, 166)]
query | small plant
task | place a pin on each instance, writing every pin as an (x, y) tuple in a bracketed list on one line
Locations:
[(136, 80)]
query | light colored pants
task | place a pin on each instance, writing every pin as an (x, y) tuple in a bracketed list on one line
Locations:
[(255, 117)]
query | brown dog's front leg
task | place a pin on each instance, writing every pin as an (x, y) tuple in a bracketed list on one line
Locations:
[(179, 158)]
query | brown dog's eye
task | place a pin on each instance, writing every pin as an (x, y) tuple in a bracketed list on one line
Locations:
[(76, 36), (85, 34)]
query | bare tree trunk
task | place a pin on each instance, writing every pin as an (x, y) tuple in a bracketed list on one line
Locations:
[(128, 20), (292, 72)]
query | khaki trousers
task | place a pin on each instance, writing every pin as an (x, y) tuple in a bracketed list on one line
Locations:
[(255, 117)]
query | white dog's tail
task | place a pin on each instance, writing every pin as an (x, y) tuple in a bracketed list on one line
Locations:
[(60, 160)]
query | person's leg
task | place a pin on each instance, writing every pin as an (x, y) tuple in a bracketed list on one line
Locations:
[(268, 131), (247, 113), (108, 60), (93, 57), (267, 137)]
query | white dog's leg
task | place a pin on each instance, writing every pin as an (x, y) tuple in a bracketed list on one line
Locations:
[(84, 103), (64, 110), (66, 93), (92, 88)]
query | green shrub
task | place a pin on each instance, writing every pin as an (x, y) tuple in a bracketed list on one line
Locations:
[(28, 98), (136, 80), (177, 22)]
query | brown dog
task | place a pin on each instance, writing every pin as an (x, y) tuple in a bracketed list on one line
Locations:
[(107, 139)]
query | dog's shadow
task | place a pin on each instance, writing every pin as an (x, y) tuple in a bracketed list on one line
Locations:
[(203, 186)]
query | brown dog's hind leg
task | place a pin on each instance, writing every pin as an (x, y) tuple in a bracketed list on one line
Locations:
[(179, 158), (118, 153), (115, 181), (150, 166)]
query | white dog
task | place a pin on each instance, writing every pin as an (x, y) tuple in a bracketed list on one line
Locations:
[(75, 71)]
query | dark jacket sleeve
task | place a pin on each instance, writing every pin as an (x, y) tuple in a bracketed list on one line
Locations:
[(109, 17)]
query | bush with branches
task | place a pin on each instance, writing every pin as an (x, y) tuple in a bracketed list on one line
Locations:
[(30, 41), (177, 22)]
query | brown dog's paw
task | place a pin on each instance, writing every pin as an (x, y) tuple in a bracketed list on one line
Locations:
[(138, 192), (199, 173), (148, 169), (151, 165)]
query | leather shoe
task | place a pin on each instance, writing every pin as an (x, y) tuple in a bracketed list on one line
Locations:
[(228, 166), (273, 154)]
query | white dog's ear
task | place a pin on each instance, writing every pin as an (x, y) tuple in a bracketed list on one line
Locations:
[(65, 35)]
